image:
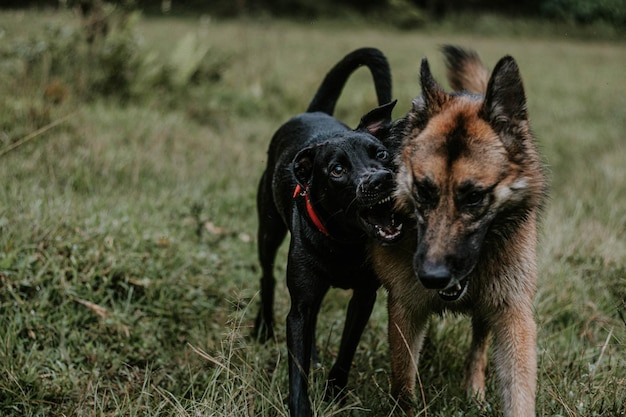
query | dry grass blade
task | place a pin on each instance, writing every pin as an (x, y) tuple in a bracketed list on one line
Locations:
[(414, 364), (263, 395), (99, 310), (36, 133), (597, 364)]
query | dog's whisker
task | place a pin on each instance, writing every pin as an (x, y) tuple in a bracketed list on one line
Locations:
[(354, 201)]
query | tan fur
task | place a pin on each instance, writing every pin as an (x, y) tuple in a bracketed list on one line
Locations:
[(471, 78), (502, 283)]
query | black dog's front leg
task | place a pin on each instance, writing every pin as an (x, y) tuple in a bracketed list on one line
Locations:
[(359, 311), (271, 233), (307, 292)]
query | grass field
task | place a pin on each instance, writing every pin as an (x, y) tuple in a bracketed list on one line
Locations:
[(128, 263)]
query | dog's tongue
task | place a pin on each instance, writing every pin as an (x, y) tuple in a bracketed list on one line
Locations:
[(383, 220), (379, 215), (384, 223)]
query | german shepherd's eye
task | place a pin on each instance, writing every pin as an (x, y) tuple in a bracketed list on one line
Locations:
[(337, 171), (472, 198), (382, 154), (425, 194)]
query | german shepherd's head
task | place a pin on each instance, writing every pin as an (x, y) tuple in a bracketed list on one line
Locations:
[(469, 170)]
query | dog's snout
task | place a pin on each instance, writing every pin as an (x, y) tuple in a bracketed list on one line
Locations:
[(434, 276), (377, 181)]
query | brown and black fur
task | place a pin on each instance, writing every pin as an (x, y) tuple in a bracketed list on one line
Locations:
[(471, 177)]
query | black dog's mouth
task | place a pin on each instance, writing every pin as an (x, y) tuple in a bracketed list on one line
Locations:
[(381, 222), (454, 292)]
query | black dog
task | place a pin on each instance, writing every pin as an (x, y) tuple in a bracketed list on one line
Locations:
[(331, 187)]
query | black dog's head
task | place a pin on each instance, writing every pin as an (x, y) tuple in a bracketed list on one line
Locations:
[(349, 180)]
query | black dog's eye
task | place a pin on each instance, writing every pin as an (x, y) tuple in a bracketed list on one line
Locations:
[(337, 171), (382, 154)]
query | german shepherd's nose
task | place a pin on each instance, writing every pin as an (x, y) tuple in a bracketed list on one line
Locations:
[(434, 276)]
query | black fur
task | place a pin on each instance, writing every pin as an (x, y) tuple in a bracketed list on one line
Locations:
[(345, 174)]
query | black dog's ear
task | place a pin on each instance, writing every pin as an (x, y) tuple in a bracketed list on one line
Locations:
[(377, 121), (302, 165)]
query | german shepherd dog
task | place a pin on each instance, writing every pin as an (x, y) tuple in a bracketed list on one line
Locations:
[(331, 187), (471, 176)]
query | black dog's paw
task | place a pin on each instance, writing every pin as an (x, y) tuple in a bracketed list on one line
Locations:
[(335, 391), (263, 331)]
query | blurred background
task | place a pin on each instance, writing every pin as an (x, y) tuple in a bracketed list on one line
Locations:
[(132, 138), (402, 13)]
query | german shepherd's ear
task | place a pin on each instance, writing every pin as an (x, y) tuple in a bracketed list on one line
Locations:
[(302, 165), (432, 99), (504, 107), (377, 121)]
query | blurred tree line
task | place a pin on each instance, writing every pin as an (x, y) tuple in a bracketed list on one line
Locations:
[(580, 11)]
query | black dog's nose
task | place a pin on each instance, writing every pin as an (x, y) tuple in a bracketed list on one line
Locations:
[(434, 276), (377, 181)]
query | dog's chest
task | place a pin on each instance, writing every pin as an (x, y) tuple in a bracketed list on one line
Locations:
[(341, 266)]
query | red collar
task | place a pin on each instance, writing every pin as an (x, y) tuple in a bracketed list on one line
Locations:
[(309, 209)]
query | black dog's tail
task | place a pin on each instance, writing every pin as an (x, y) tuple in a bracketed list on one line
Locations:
[(329, 91)]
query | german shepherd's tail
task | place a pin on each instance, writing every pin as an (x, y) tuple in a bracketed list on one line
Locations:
[(466, 72), (329, 91)]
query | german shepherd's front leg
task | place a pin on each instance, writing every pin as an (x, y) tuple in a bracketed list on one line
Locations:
[(407, 330), (515, 353), (476, 362)]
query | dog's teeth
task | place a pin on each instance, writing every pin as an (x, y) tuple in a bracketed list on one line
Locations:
[(384, 200)]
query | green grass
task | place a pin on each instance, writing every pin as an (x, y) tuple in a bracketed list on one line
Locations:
[(128, 271)]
